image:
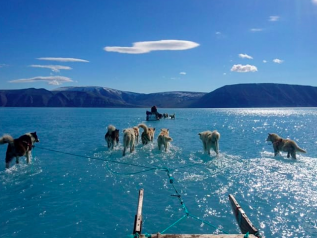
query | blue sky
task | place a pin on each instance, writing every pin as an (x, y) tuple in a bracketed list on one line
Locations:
[(155, 46)]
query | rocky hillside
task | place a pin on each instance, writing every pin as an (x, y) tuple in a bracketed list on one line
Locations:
[(94, 97), (259, 95), (231, 96)]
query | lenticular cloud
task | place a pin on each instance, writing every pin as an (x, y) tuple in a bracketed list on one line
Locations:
[(54, 68), (52, 80), (243, 68), (245, 56), (148, 46), (63, 59)]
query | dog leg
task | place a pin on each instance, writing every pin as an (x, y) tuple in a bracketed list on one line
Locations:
[(275, 152), (288, 154), (28, 157), (8, 160), (17, 160), (293, 153), (124, 149), (217, 148), (131, 146), (208, 149), (205, 146), (208, 146)]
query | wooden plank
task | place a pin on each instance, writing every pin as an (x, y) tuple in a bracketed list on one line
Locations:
[(138, 217), (197, 236), (242, 219)]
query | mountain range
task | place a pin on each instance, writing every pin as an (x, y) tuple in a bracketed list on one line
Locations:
[(230, 96)]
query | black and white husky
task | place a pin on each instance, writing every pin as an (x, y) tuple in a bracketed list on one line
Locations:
[(21, 146), (112, 136)]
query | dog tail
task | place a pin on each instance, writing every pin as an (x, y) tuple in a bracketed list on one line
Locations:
[(145, 128), (6, 139), (300, 149), (111, 128)]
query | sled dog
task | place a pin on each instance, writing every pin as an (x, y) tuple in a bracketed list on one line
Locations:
[(128, 140), (163, 139), (21, 146), (210, 140), (148, 134), (285, 145), (112, 136)]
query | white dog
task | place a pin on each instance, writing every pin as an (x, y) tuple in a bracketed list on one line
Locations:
[(163, 139), (210, 140), (128, 140)]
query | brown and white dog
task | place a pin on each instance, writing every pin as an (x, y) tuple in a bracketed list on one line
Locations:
[(285, 145), (163, 139), (21, 146), (210, 140), (148, 133), (137, 133), (112, 136), (128, 140)]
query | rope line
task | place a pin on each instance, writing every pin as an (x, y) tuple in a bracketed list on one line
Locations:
[(88, 157), (147, 169), (114, 172), (162, 232)]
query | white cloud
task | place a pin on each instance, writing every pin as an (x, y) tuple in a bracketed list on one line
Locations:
[(278, 61), (264, 61), (274, 18), (314, 2), (62, 59), (243, 68), (183, 73), (218, 33), (224, 73), (256, 29), (53, 80), (245, 56), (54, 68), (148, 46)]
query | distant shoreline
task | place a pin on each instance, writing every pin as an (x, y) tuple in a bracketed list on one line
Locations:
[(262, 95)]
